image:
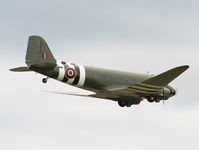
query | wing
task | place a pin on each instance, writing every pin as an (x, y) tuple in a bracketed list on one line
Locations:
[(103, 95), (148, 87)]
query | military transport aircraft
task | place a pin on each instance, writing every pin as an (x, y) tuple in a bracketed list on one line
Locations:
[(124, 87)]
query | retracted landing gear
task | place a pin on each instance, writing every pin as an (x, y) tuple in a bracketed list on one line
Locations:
[(152, 99), (44, 80), (124, 103)]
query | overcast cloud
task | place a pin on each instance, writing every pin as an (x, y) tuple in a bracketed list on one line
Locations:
[(129, 35)]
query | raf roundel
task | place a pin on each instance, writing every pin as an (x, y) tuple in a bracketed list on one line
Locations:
[(70, 73)]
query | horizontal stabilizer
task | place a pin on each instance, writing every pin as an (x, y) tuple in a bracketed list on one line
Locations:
[(165, 78), (20, 69)]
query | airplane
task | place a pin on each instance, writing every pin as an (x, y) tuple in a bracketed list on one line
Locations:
[(123, 87)]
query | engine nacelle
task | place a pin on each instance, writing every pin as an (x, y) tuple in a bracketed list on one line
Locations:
[(166, 93)]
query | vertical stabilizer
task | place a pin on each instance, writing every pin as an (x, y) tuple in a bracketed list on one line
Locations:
[(38, 54)]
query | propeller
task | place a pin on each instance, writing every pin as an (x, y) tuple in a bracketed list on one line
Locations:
[(163, 103)]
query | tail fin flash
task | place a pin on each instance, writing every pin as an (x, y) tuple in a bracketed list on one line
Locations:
[(38, 54)]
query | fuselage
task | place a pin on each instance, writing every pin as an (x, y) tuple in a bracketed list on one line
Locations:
[(105, 79), (92, 78)]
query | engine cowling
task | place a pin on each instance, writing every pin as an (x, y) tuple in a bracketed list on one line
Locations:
[(166, 93)]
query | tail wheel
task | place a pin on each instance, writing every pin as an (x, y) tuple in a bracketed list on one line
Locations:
[(44, 80)]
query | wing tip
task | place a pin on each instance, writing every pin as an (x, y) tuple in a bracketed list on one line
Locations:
[(184, 67)]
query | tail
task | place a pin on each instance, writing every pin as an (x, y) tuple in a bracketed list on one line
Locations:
[(38, 54)]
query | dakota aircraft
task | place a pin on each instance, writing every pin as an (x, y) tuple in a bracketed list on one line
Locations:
[(123, 87)]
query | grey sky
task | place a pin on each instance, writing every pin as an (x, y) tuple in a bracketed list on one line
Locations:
[(129, 35)]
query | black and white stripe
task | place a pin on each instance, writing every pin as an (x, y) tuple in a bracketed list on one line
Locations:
[(65, 78), (76, 80), (80, 75)]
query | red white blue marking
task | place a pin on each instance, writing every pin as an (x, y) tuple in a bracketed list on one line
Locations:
[(44, 56), (70, 73)]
